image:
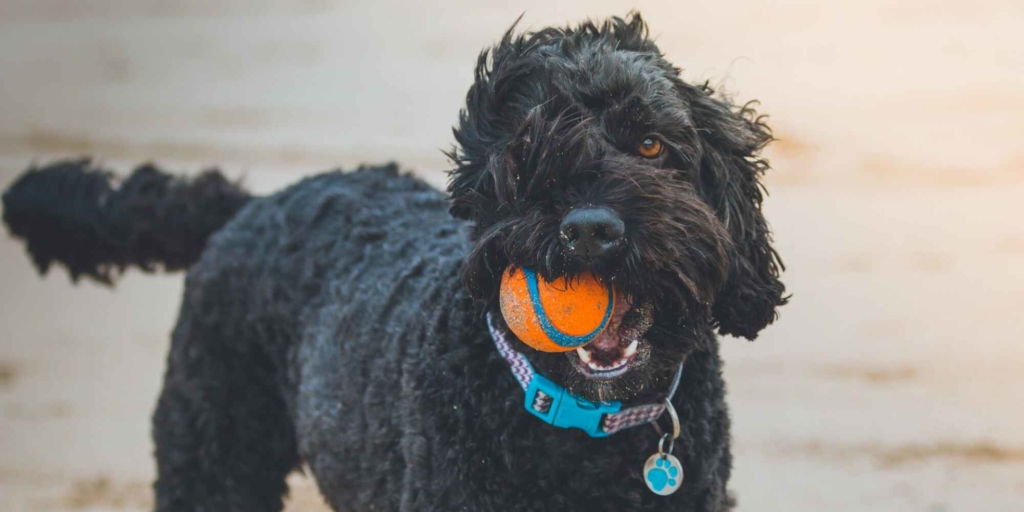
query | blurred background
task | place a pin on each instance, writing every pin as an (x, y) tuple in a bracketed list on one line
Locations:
[(893, 380)]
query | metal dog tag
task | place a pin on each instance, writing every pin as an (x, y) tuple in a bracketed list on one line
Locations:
[(663, 474)]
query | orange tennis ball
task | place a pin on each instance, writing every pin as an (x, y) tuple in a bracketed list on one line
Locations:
[(555, 316)]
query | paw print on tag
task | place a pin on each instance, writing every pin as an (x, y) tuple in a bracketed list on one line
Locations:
[(663, 474)]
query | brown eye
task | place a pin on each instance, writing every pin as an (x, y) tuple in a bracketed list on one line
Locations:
[(650, 148)]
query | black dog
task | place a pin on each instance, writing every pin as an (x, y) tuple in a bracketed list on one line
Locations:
[(343, 322)]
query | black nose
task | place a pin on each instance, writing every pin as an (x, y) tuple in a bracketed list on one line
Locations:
[(592, 232)]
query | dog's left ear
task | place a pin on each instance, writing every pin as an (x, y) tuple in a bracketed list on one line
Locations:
[(730, 171)]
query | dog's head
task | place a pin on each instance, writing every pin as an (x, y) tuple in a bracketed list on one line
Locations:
[(582, 150)]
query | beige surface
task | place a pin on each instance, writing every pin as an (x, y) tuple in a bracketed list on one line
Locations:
[(892, 382)]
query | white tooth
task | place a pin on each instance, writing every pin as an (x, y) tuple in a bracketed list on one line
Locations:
[(584, 355), (614, 366), (631, 349)]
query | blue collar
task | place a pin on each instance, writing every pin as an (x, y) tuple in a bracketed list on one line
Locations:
[(556, 406)]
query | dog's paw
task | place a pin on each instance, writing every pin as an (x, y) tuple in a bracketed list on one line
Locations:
[(663, 474)]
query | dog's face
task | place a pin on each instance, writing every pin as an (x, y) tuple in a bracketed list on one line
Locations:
[(582, 151)]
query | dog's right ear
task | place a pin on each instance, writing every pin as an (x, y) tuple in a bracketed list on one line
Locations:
[(480, 128), (485, 126), (470, 184)]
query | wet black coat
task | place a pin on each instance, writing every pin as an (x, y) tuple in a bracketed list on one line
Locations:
[(327, 324)]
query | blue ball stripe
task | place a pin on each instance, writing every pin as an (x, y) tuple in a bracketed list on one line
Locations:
[(560, 338)]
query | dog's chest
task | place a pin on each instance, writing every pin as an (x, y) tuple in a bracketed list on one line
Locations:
[(444, 429)]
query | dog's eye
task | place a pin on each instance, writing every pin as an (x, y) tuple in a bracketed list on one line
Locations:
[(650, 148)]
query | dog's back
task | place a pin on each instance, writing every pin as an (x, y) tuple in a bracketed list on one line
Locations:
[(294, 330), (326, 285)]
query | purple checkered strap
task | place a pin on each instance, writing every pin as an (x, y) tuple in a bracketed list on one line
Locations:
[(632, 417), (523, 371)]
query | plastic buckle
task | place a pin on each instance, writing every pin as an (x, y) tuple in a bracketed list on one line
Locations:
[(568, 410)]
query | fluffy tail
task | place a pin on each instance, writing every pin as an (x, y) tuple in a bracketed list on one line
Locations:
[(73, 213)]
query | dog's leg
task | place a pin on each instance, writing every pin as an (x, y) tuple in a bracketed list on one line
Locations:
[(224, 439)]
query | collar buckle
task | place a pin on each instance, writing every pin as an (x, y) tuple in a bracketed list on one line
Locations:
[(556, 406)]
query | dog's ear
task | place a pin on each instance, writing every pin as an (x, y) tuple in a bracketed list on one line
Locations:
[(470, 184), (730, 172), (484, 125), (469, 188)]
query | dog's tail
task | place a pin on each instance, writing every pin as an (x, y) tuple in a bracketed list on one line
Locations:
[(79, 215)]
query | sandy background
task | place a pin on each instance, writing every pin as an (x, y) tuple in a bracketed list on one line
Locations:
[(893, 380)]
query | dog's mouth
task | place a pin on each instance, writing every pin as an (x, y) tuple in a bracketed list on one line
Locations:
[(620, 347)]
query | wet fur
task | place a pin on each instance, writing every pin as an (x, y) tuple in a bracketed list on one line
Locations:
[(340, 322), (552, 124)]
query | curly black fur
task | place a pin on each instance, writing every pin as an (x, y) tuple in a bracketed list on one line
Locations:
[(340, 322), (71, 213), (351, 344), (552, 123)]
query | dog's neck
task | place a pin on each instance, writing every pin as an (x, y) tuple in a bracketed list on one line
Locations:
[(556, 406)]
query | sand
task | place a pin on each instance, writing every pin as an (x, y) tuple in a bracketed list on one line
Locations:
[(893, 381)]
